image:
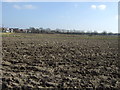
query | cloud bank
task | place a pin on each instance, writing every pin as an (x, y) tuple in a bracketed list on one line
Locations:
[(100, 7), (93, 6), (24, 7)]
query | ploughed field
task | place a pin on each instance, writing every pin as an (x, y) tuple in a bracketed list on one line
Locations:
[(60, 61)]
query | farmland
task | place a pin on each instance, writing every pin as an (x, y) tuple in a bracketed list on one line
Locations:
[(60, 61)]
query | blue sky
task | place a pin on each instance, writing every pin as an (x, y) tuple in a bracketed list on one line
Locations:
[(0, 13), (87, 16)]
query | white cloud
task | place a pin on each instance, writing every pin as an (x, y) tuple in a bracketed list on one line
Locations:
[(102, 7), (29, 7), (93, 6), (24, 7), (17, 6)]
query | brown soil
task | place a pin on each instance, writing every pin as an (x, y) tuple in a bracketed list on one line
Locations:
[(60, 61)]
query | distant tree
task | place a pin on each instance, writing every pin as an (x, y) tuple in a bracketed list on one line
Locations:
[(58, 30), (4, 29), (37, 31), (32, 29), (89, 33), (82, 32), (74, 30), (21, 31), (0, 29), (63, 30), (104, 33), (110, 33), (95, 33), (41, 30), (67, 31), (47, 30), (16, 30)]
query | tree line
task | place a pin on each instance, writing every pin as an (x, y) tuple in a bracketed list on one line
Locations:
[(56, 31)]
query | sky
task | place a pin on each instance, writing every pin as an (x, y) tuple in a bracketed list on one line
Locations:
[(84, 16), (60, 0), (0, 13)]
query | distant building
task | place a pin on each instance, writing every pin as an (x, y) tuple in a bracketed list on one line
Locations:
[(15, 30), (7, 30), (25, 30), (11, 30)]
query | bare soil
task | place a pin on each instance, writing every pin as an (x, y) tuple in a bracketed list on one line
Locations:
[(60, 61)]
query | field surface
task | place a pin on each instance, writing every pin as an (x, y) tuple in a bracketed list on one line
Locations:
[(60, 61)]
